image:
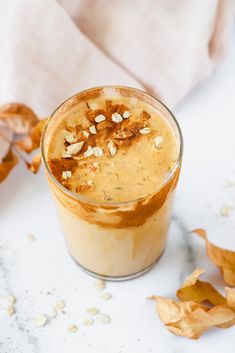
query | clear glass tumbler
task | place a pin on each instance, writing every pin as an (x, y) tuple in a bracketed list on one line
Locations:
[(114, 241)]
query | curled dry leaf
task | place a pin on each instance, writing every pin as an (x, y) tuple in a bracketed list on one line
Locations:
[(190, 318), (199, 291), (7, 164), (35, 164), (223, 258), (224, 314), (199, 321), (230, 294), (18, 117), (32, 142), (6, 139), (171, 311)]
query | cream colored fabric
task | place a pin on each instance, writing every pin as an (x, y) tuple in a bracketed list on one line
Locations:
[(168, 46), (51, 49)]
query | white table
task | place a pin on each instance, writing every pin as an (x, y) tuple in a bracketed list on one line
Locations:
[(31, 269)]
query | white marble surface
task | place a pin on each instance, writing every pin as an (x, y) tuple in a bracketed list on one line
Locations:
[(30, 269)]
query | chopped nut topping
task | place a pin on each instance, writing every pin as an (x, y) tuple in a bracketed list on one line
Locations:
[(117, 118), (72, 328), (69, 128), (145, 116), (123, 134), (66, 174), (65, 154), (78, 128), (157, 141), (121, 109), (70, 138), (31, 237), (105, 125), (10, 310), (59, 305), (96, 164), (145, 131), (75, 148), (53, 313), (112, 148), (90, 182), (98, 151), (58, 165), (99, 118), (92, 129), (93, 311), (99, 284), (226, 211), (88, 322), (40, 321), (126, 115), (85, 133), (105, 296), (83, 187), (11, 299), (104, 319), (90, 115), (89, 152)]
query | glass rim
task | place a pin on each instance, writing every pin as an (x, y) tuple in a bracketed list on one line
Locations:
[(88, 200)]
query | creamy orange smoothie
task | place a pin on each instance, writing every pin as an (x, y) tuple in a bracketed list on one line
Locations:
[(113, 157)]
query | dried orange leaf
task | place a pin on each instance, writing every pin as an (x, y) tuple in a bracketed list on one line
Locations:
[(199, 321), (199, 231), (18, 117), (199, 291), (172, 311), (8, 163), (230, 296), (35, 164), (6, 139), (223, 258), (229, 276), (190, 318), (221, 312), (31, 142)]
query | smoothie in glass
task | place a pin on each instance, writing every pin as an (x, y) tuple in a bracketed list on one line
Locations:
[(112, 156)]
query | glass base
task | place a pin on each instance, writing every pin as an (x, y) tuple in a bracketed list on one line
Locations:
[(118, 278)]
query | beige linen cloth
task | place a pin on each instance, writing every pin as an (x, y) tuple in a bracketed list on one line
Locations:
[(52, 49)]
